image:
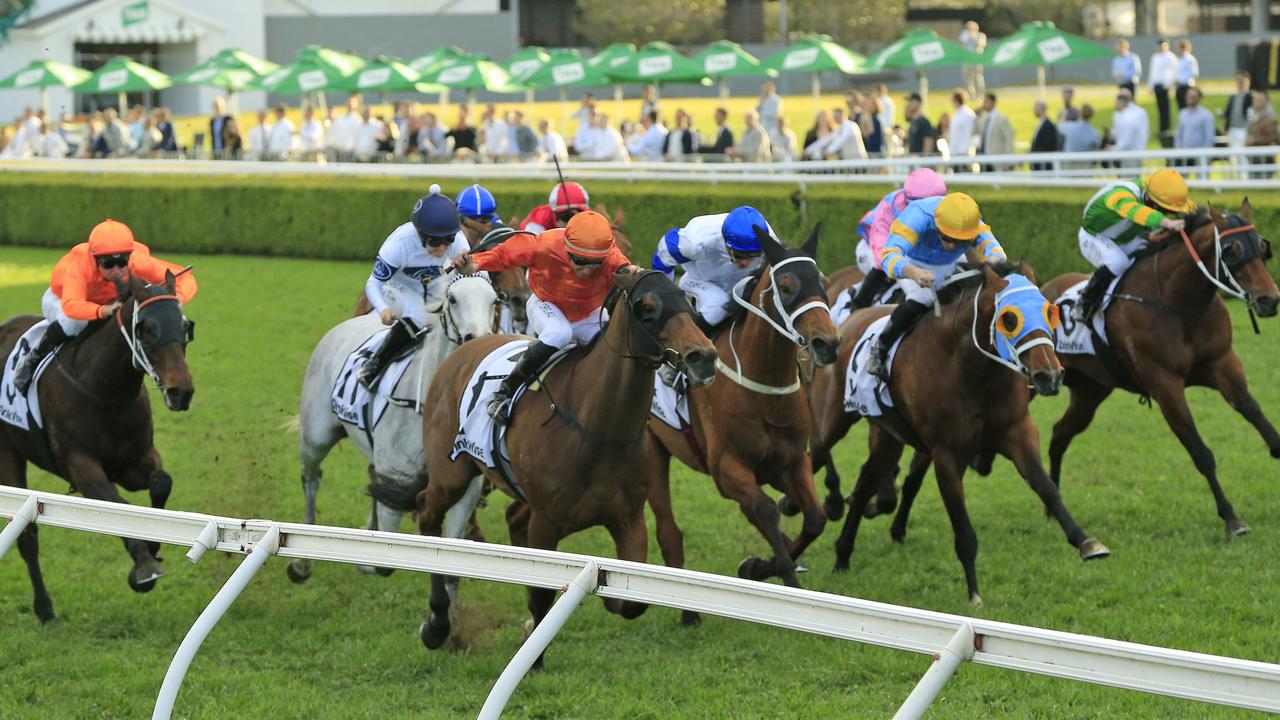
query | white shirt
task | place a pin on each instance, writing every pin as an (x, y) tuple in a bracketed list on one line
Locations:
[(433, 141), (403, 262), (650, 146), (32, 127), (845, 141), (1161, 69), (582, 140), (342, 134), (312, 135), (701, 244), (886, 115), (769, 108), (1187, 70), (280, 137), (609, 146), (1131, 128), (258, 140), (960, 135), (496, 138), (51, 145), (552, 145), (367, 137)]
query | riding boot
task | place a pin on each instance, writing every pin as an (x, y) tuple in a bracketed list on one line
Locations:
[(53, 337), (872, 287), (401, 336), (1091, 297), (530, 362), (903, 317)]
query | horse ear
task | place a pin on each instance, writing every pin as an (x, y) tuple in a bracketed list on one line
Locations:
[(773, 250), (992, 279), (170, 280), (1025, 270), (810, 247), (1246, 209), (1214, 215), (137, 287), (619, 217), (627, 277)]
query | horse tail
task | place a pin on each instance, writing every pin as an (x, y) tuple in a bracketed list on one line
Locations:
[(292, 425)]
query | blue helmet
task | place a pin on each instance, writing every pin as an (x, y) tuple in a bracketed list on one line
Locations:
[(738, 229), (477, 202), (435, 214)]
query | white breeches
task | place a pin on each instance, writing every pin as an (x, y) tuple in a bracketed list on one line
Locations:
[(406, 303), (551, 327), (51, 306), (863, 256), (708, 299), (1101, 251), (921, 294)]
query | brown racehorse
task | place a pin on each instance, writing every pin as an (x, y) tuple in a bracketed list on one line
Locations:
[(840, 281), (579, 448), (97, 416), (1176, 332), (957, 405), (751, 428)]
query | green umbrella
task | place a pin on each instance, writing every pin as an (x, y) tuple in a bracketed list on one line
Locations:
[(316, 69), (386, 74), (524, 63), (657, 62), (474, 72), (231, 69), (922, 49), (610, 57), (436, 59), (122, 75), (1041, 44), (813, 54), (723, 59), (565, 69), (44, 74)]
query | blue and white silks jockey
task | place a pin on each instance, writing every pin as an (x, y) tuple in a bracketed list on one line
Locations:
[(926, 243), (716, 252)]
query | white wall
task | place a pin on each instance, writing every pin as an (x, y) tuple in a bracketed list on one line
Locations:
[(367, 8), (246, 22), (14, 56)]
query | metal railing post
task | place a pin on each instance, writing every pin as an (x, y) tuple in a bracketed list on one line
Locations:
[(25, 515), (945, 662), (217, 607), (574, 592)]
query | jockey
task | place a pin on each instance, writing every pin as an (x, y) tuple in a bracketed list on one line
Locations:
[(411, 257), (716, 252), (873, 232), (566, 200), (83, 287), (1115, 225), (477, 212), (570, 275), (925, 244)]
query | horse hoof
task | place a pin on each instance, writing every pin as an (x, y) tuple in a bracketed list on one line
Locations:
[(842, 566), (834, 506), (898, 535), (1091, 549), (366, 569), (143, 576), (299, 571), (752, 568), (787, 507), (689, 618), (433, 633), (44, 613), (975, 600), (1236, 528), (384, 571)]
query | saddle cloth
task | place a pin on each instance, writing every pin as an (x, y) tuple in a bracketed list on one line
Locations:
[(669, 405), (475, 428), (1074, 338), (844, 302), (15, 408), (865, 393), (350, 401)]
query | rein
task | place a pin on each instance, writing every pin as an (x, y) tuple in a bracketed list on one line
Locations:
[(787, 329)]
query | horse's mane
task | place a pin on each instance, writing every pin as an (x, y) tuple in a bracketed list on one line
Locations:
[(953, 291)]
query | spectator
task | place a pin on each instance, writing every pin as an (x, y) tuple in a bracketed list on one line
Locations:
[(821, 128), (432, 140), (258, 137), (1185, 73), (586, 135), (1068, 113), (1263, 130), (1235, 116), (161, 118), (463, 135), (1079, 135), (920, 135), (784, 150), (1126, 68), (608, 145), (135, 118), (683, 140), (723, 144), (550, 143), (1130, 126), (653, 141), (974, 40), (116, 138), (280, 139), (754, 146), (342, 131), (526, 141), (367, 135), (152, 139), (1196, 127), (769, 109), (888, 108), (232, 143), (311, 134), (50, 144), (1045, 138), (995, 132), (1163, 64), (853, 105), (387, 137), (871, 127), (494, 136), (584, 112), (964, 122), (406, 127), (649, 100), (940, 131), (216, 122)]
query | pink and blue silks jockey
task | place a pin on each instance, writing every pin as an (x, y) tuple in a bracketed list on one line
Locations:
[(873, 233)]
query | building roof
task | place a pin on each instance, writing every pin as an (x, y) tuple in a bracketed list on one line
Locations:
[(118, 21)]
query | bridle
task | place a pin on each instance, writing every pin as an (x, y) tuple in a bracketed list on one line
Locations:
[(137, 349), (786, 328), (1015, 351), (665, 355), (452, 332)]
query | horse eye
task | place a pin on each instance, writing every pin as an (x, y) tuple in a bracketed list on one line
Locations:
[(453, 300)]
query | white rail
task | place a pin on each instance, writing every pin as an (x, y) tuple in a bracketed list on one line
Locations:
[(1253, 168), (1174, 673)]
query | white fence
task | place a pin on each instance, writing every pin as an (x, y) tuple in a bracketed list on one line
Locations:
[(1215, 169), (951, 639)]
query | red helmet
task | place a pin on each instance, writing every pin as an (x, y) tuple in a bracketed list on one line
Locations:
[(568, 196)]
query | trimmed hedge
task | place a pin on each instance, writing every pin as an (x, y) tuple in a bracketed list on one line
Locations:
[(347, 218)]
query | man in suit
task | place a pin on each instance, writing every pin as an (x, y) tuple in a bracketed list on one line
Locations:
[(216, 123), (1235, 116), (1045, 137), (723, 144), (995, 132)]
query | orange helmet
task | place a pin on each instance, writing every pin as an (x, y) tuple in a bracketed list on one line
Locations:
[(589, 235), (110, 237)]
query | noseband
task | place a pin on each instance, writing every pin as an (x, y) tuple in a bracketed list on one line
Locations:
[(136, 348)]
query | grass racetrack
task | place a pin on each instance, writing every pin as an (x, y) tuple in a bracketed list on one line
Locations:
[(345, 645)]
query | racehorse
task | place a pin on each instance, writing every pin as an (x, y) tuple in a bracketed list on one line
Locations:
[(958, 403), (97, 416), (578, 445), (753, 429), (394, 447), (1170, 329)]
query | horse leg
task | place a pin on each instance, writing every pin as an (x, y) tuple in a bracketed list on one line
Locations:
[(1021, 444), (312, 452), (87, 476), (738, 483), (384, 519), (443, 492), (920, 462), (886, 496), (815, 517), (1086, 396), (883, 453), (670, 537), (518, 523), (148, 474), (1228, 378), (13, 472), (1169, 393), (950, 474), (545, 535), (631, 539), (823, 441)]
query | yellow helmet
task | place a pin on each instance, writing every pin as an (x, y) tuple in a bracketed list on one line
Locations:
[(1168, 189), (957, 217)]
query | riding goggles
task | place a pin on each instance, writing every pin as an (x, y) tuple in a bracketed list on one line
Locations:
[(109, 262), (435, 240), (584, 262)]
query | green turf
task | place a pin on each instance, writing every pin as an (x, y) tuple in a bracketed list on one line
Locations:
[(345, 645)]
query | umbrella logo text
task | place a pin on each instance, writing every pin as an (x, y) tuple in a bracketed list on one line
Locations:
[(564, 74), (455, 74), (926, 53), (720, 62), (29, 77), (375, 76), (654, 65), (311, 80), (800, 58), (1053, 49), (1009, 51), (520, 68), (112, 80)]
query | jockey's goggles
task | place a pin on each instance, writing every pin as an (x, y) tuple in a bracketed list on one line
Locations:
[(565, 215), (435, 240), (479, 218), (957, 241), (736, 255), (584, 262), (109, 262)]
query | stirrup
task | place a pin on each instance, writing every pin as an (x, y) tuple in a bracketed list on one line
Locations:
[(368, 374), (499, 407), (23, 376), (877, 362)]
